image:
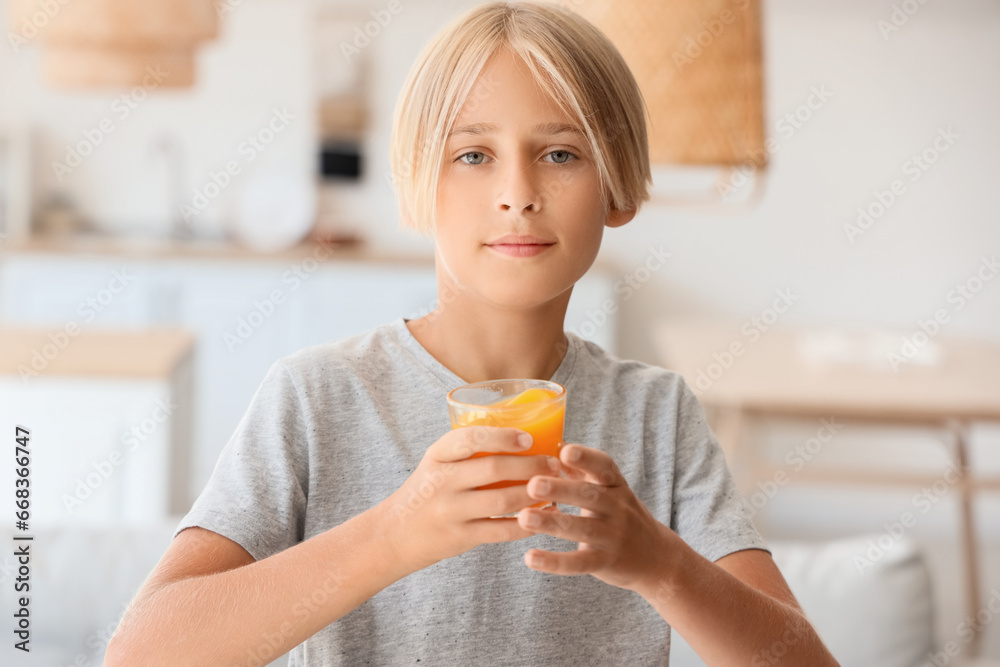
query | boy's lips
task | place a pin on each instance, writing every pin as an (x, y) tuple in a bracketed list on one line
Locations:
[(521, 249), (520, 245), (520, 239)]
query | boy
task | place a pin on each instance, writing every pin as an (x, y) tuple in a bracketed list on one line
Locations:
[(342, 521)]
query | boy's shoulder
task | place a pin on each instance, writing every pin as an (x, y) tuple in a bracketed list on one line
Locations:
[(360, 352), (626, 375)]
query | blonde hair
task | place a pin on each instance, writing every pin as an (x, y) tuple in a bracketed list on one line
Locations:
[(573, 61)]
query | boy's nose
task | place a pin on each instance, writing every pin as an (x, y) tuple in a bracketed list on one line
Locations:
[(527, 207), (519, 193)]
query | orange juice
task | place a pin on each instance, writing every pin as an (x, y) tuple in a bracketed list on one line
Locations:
[(532, 410)]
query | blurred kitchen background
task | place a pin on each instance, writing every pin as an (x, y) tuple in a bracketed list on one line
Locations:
[(168, 234)]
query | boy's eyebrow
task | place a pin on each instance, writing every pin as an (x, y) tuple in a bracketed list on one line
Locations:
[(493, 128)]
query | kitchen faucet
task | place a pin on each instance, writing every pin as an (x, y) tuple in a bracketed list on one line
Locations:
[(166, 143)]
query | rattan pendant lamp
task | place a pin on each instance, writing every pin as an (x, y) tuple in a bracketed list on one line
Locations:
[(118, 43), (699, 66)]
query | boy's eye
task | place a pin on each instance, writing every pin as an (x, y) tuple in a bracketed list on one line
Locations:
[(561, 157), (474, 153), (564, 156)]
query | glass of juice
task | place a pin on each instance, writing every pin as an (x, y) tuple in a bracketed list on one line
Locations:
[(535, 406)]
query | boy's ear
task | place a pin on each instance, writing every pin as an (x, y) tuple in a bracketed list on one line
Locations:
[(618, 217)]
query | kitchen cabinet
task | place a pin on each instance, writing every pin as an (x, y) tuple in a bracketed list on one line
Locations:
[(107, 423)]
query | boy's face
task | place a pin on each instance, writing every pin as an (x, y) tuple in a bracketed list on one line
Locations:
[(518, 180)]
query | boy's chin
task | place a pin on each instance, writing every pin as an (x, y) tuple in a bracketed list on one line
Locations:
[(523, 300)]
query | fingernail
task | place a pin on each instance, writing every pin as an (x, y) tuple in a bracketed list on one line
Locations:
[(573, 454), (542, 486), (532, 520), (524, 440)]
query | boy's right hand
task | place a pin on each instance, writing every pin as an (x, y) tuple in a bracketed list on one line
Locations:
[(438, 512)]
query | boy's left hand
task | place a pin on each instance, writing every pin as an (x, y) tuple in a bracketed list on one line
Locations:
[(620, 542)]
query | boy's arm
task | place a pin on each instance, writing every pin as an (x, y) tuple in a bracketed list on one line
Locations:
[(251, 614), (213, 605), (735, 611)]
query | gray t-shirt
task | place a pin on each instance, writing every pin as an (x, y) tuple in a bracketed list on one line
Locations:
[(336, 428)]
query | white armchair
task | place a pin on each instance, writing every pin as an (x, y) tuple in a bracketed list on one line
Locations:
[(869, 611)]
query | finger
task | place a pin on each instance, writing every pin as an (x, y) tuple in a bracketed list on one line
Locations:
[(593, 531), (573, 473), (496, 530), (597, 466), (483, 503), (568, 563), (461, 443), (585, 495), (489, 469)]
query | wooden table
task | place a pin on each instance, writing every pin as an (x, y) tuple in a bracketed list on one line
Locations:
[(72, 352), (744, 373)]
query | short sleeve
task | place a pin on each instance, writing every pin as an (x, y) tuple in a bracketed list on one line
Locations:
[(256, 493), (709, 512)]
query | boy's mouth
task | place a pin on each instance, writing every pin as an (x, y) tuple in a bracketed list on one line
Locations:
[(520, 245), (520, 249)]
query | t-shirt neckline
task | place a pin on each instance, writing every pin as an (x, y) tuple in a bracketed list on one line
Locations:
[(450, 381)]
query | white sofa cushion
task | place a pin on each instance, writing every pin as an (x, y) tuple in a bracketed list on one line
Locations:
[(82, 577), (871, 605)]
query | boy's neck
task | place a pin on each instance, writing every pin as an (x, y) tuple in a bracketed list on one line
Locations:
[(478, 346)]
